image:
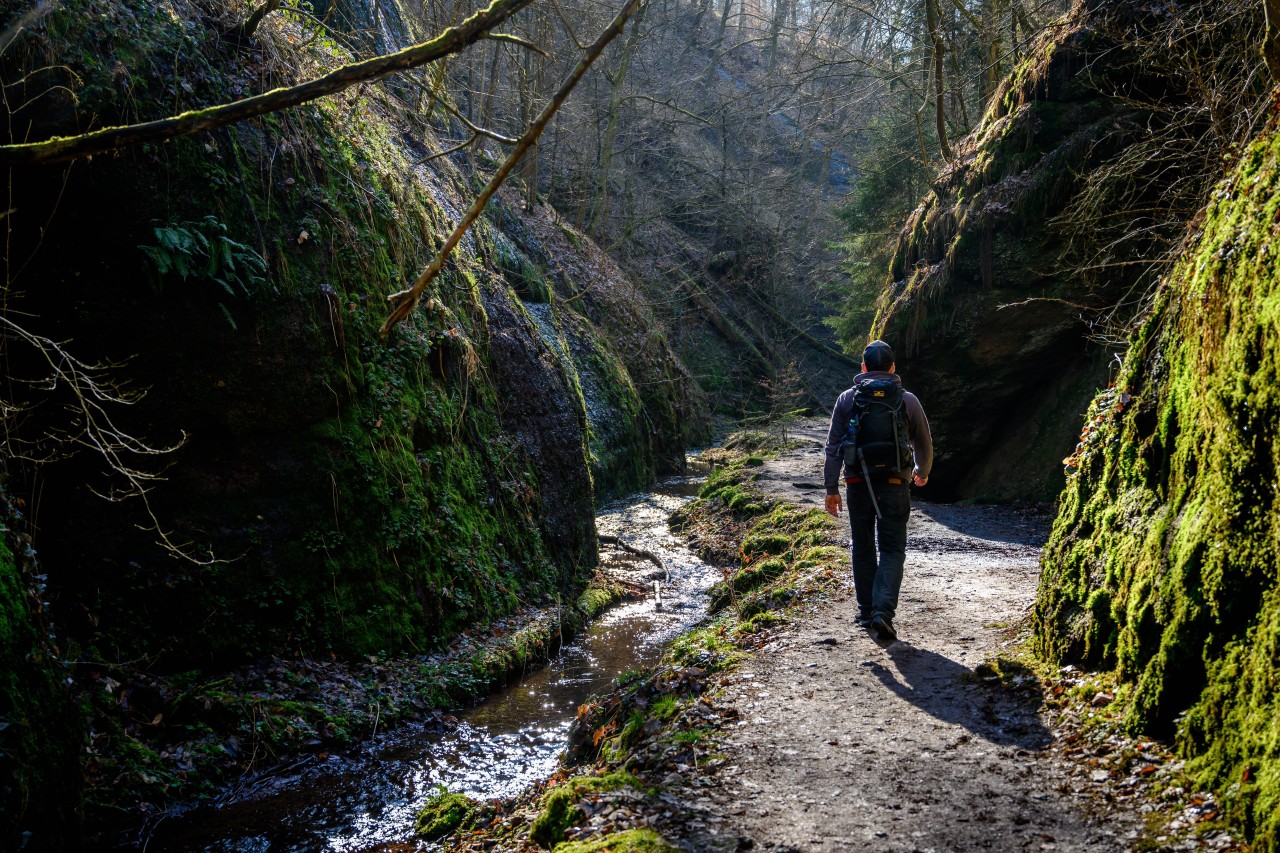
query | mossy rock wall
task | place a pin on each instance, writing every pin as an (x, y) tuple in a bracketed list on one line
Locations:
[(638, 393), (40, 736), (989, 317), (362, 496), (1163, 562)]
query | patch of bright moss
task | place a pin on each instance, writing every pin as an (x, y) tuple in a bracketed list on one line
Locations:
[(630, 841), (560, 805), (1163, 560), (444, 813), (765, 542)]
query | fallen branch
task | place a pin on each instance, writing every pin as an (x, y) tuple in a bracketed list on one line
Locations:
[(1095, 309), (63, 148), (404, 301), (631, 549)]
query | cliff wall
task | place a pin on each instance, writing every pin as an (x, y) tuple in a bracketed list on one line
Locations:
[(199, 320), (1163, 559)]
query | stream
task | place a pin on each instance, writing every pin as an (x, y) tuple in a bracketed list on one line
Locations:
[(367, 800)]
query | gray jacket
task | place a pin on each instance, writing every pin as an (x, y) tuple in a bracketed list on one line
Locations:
[(917, 432)]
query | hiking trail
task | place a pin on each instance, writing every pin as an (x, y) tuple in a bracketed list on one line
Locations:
[(848, 742)]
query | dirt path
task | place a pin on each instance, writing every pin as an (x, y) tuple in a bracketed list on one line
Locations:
[(848, 743)]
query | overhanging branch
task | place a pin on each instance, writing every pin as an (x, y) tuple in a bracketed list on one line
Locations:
[(63, 148)]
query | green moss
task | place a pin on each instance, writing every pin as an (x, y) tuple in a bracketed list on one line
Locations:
[(710, 647), (1162, 564), (524, 275), (765, 542), (443, 814), (560, 805), (665, 708), (758, 445), (761, 622), (630, 841), (39, 734), (599, 595)]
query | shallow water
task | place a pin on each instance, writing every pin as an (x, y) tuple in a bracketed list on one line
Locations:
[(367, 800)]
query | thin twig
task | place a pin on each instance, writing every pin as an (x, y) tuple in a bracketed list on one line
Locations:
[(475, 129), (527, 45), (448, 151)]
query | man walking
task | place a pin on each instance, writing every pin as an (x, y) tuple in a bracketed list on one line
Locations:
[(880, 436)]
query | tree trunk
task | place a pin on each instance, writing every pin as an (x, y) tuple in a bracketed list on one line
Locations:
[(939, 88), (616, 81), (1271, 39), (724, 19), (775, 28)]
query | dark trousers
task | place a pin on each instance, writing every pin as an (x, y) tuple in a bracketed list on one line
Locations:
[(877, 581)]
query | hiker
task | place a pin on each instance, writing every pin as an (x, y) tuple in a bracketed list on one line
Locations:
[(880, 436)]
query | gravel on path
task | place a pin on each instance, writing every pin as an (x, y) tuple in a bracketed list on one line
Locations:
[(847, 742)]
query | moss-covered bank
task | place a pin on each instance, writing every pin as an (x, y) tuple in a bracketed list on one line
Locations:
[(334, 493), (1163, 560), (361, 496)]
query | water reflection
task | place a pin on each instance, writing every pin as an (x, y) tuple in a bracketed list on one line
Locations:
[(367, 800)]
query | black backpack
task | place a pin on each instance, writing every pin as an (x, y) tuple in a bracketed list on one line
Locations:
[(878, 430)]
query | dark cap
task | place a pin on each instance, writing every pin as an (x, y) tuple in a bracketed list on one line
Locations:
[(877, 356)]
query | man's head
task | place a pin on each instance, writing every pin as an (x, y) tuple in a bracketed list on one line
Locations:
[(877, 356)]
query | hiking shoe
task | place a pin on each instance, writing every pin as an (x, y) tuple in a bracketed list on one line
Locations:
[(862, 621), (884, 628)]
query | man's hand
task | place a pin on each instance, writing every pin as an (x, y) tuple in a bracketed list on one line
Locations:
[(918, 480), (833, 505)]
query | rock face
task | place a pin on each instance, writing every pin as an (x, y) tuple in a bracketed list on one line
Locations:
[(39, 733), (1163, 559), (332, 491), (991, 302)]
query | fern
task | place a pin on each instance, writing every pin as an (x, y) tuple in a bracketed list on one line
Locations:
[(202, 251)]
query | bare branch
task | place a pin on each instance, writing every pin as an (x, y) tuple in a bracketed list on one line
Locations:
[(510, 39), (42, 8), (446, 152), (92, 427), (475, 129)]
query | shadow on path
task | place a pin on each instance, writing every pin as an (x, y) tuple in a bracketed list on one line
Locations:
[(993, 524), (952, 693)]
